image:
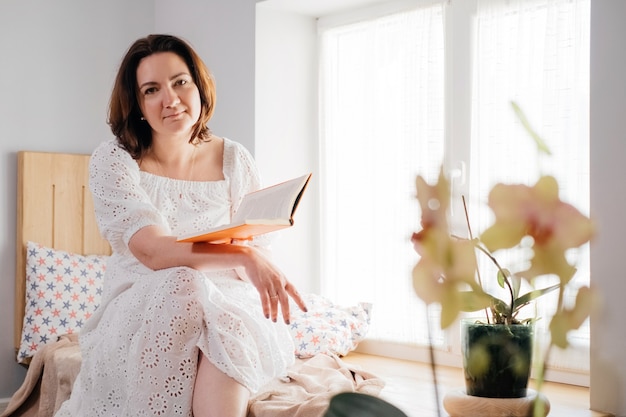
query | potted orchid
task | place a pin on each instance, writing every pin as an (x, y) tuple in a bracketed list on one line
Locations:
[(447, 274)]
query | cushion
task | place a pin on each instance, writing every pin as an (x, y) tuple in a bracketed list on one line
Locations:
[(327, 327), (63, 290)]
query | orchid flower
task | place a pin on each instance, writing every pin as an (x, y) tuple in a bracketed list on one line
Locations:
[(446, 265), (446, 271), (537, 211)]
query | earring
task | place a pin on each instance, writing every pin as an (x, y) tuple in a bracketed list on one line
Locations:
[(142, 118)]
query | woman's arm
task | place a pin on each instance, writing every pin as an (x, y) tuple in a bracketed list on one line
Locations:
[(156, 250)]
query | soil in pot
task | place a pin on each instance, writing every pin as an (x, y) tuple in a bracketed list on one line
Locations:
[(496, 359)]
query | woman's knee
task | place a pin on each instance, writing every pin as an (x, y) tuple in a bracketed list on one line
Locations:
[(217, 394)]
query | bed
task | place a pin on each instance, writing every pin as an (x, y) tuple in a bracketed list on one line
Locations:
[(60, 262)]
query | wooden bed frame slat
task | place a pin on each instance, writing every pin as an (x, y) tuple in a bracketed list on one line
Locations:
[(55, 209)]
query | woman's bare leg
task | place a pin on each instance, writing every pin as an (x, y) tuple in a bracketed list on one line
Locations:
[(216, 394)]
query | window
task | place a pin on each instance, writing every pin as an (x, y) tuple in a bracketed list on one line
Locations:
[(382, 87), (426, 83)]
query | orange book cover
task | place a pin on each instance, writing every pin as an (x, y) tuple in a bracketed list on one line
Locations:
[(260, 212)]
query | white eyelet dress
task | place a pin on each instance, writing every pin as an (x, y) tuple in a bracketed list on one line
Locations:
[(140, 349)]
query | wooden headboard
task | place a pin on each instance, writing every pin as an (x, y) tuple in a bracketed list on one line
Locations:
[(55, 209)]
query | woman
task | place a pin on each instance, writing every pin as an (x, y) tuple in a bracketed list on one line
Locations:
[(183, 328)]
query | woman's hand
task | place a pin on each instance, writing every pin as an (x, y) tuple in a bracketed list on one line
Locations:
[(273, 287), (157, 250)]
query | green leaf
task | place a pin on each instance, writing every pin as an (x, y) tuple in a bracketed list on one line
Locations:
[(474, 301), (541, 145), (501, 279), (504, 275), (500, 306), (531, 295)]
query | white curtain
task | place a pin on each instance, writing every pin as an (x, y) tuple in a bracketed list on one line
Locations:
[(383, 118), (381, 124), (535, 52)]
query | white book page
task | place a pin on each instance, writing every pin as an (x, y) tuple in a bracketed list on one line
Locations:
[(275, 202)]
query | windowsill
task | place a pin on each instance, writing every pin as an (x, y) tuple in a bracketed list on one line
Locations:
[(409, 386)]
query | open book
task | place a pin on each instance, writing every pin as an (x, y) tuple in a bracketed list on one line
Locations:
[(260, 212)]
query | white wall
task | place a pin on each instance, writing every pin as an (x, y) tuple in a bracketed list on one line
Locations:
[(286, 131), (223, 34), (608, 203), (58, 60)]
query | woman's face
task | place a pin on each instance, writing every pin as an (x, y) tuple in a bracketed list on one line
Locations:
[(168, 96)]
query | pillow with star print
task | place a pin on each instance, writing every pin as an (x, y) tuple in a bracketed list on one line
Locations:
[(63, 290), (326, 327)]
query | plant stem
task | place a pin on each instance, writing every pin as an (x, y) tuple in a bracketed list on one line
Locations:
[(431, 351), (542, 369), (538, 407), (506, 280), (471, 235)]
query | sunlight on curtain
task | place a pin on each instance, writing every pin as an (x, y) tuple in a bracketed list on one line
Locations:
[(535, 52), (381, 124), (382, 92)]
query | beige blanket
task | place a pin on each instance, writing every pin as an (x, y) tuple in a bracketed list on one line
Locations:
[(308, 387), (304, 392), (49, 380)]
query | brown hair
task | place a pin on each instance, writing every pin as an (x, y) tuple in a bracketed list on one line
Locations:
[(124, 116)]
